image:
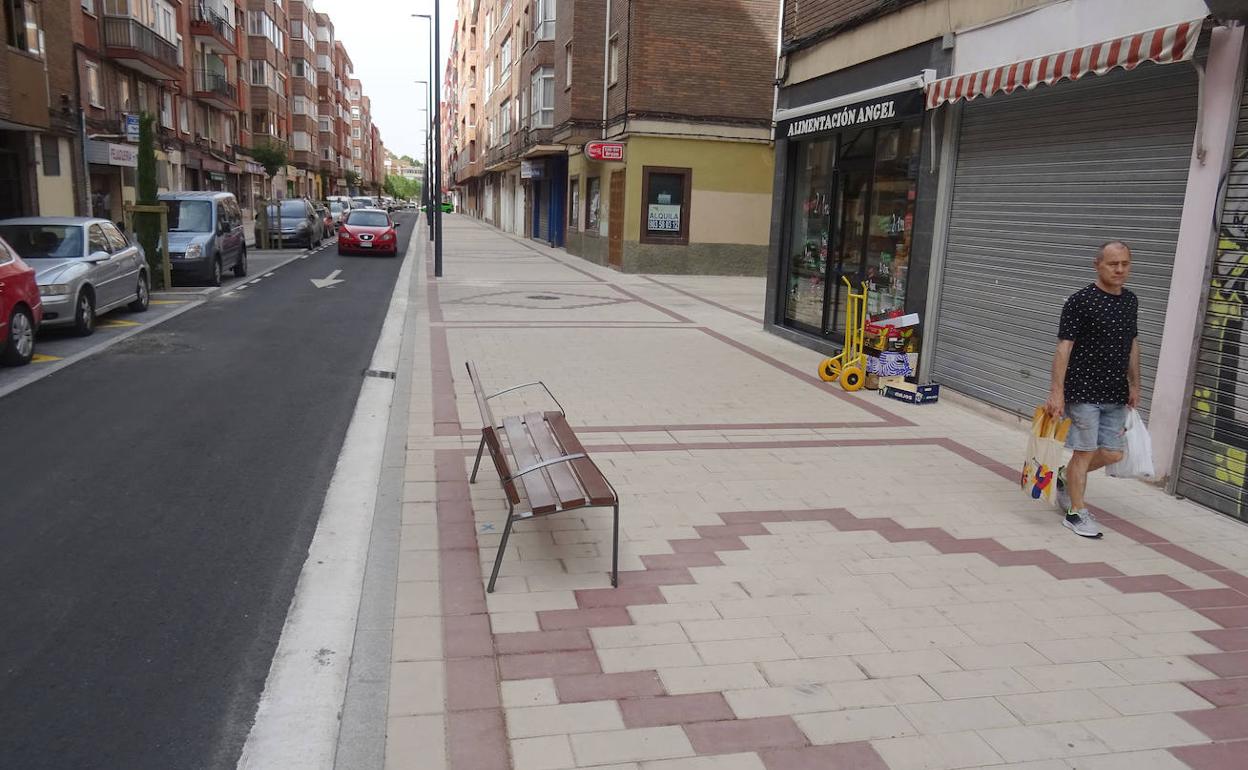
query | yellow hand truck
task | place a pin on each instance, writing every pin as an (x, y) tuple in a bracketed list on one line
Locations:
[(850, 365)]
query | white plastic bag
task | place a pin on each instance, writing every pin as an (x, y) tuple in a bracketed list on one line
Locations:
[(1137, 461)]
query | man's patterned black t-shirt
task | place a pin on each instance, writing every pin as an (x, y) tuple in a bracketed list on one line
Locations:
[(1102, 326)]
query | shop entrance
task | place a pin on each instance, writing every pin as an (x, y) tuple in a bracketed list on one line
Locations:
[(853, 200)]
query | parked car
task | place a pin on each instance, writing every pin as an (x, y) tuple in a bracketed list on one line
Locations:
[(363, 202), (368, 231), (328, 222), (300, 224), (20, 308), (447, 207), (84, 266), (206, 236), (337, 208)]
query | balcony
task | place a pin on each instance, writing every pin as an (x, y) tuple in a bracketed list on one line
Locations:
[(215, 89), (135, 46), (212, 30)]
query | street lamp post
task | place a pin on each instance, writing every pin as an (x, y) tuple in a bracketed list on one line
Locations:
[(435, 160)]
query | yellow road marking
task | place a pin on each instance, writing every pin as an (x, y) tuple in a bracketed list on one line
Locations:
[(40, 358), (168, 302), (115, 323)]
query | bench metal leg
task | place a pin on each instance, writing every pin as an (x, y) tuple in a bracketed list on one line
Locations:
[(615, 546), (502, 546), (480, 448)]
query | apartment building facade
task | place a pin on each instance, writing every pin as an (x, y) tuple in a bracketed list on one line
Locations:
[(684, 181), (218, 76)]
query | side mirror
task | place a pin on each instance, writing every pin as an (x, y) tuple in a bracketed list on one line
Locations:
[(395, 224), (99, 256)]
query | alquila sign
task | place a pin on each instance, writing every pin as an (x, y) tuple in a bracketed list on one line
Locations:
[(884, 109)]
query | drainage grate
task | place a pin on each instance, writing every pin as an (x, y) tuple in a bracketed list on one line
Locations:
[(542, 296), (379, 373)]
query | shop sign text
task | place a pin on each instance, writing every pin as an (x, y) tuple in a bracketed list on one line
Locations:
[(895, 107), (604, 150)]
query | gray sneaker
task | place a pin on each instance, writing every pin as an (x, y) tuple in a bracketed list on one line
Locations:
[(1082, 523), (1062, 498)]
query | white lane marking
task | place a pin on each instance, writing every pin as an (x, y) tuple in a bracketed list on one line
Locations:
[(328, 280), (267, 275), (298, 718)]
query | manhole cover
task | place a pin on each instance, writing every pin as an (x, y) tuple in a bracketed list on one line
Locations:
[(542, 296)]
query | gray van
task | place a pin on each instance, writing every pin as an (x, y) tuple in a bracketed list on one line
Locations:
[(206, 235)]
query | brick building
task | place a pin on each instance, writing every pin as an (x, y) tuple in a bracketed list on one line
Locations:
[(690, 126), (219, 77)]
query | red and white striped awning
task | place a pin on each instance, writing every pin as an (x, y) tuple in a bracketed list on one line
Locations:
[(1164, 45)]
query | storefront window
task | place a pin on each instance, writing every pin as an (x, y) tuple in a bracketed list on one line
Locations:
[(851, 216), (593, 195), (891, 219), (808, 241), (665, 213), (574, 203)]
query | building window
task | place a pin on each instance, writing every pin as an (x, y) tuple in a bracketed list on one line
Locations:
[(544, 19), (355, 133), (567, 66), (166, 109), (94, 98), (23, 19), (665, 204), (574, 202), (593, 200), (89, 6), (613, 60), (504, 113), (504, 60), (489, 78), (50, 149), (542, 112)]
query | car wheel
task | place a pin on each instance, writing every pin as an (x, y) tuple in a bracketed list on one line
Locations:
[(142, 295), (240, 267), (84, 314), (214, 278), (19, 345)]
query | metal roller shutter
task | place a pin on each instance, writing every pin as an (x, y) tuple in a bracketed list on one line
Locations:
[(1042, 179), (1214, 466), (541, 199)]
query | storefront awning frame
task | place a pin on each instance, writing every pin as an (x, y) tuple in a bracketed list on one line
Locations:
[(897, 86), (1162, 45)]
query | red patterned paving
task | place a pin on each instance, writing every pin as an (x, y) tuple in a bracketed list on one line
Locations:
[(476, 731)]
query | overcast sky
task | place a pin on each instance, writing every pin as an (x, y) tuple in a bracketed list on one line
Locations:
[(390, 50)]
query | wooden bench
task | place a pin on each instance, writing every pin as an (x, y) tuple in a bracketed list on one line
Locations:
[(555, 471)]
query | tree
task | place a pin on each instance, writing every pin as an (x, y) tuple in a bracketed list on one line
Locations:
[(272, 156), (353, 180), (147, 226)]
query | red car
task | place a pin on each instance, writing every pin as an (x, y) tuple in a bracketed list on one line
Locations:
[(368, 231), (21, 310)]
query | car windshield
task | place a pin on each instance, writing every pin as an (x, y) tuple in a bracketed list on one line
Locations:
[(368, 219), (44, 241), (290, 208), (190, 216), (363, 202), (337, 207)]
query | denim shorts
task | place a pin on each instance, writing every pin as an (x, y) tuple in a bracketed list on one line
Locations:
[(1096, 426)]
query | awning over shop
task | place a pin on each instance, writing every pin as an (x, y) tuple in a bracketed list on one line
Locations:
[(1163, 45)]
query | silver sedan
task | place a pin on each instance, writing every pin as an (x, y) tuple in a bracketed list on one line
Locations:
[(84, 267)]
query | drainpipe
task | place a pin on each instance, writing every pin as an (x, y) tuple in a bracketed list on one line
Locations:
[(779, 79), (606, 64)]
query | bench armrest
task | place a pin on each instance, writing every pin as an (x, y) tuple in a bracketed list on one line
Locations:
[(545, 463), (528, 385)]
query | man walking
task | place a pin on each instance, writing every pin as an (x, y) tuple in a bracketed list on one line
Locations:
[(1096, 377)]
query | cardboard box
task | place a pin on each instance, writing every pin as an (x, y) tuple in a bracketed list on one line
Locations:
[(912, 393)]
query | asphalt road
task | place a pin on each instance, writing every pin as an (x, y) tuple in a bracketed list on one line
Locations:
[(156, 504)]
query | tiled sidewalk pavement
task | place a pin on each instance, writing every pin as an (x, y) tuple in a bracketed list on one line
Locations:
[(810, 579)]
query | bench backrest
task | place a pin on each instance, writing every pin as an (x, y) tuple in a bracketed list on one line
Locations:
[(489, 431)]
